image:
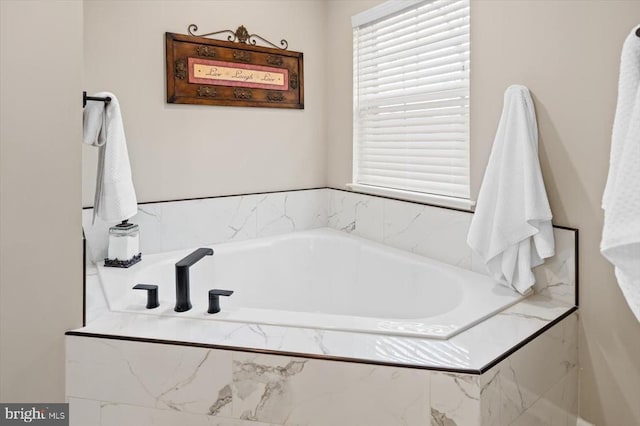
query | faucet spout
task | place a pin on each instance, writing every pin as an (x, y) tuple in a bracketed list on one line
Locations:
[(183, 300)]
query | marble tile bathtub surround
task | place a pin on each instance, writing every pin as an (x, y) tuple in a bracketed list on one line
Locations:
[(299, 391), (88, 412), (441, 234), (517, 384), (174, 225), (165, 384), (455, 399), (556, 277), (145, 383), (426, 230), (468, 351), (429, 231), (140, 383), (557, 407)]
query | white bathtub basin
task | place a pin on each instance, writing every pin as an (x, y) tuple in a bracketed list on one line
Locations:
[(321, 278)]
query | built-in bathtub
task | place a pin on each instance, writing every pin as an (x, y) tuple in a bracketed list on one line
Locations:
[(250, 365), (322, 279)]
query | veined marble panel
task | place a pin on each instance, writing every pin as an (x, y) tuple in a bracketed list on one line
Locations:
[(455, 399), (537, 385), (178, 378), (176, 225), (95, 301), (299, 391), (512, 387), (426, 230), (283, 212), (430, 231), (166, 384), (200, 222), (130, 415), (469, 350), (490, 397), (441, 234), (87, 412), (433, 232), (556, 277), (557, 407), (355, 213), (124, 382)]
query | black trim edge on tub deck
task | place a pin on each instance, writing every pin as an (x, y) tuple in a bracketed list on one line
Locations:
[(482, 370), (84, 280)]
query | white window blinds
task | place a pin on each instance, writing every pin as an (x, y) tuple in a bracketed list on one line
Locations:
[(411, 97)]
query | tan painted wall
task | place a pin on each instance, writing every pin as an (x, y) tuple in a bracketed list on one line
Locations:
[(182, 151), (567, 52), (340, 89), (40, 190)]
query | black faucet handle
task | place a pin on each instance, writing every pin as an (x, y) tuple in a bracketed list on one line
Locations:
[(214, 299), (152, 294), (183, 301), (194, 256)]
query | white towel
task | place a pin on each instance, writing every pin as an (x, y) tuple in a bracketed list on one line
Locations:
[(115, 198), (621, 200), (511, 229)]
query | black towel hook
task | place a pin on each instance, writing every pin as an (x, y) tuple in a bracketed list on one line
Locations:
[(86, 98), (638, 32)]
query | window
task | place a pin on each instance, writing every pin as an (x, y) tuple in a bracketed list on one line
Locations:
[(411, 101)]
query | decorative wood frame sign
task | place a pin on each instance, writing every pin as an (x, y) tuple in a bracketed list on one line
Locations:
[(235, 72)]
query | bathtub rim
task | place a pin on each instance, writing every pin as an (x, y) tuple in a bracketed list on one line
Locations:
[(359, 323), (576, 231), (561, 311), (471, 371)]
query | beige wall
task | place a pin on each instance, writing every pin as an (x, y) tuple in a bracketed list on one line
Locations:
[(568, 53), (182, 151), (340, 88), (41, 239)]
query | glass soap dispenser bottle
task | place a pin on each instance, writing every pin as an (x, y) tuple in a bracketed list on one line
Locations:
[(124, 245)]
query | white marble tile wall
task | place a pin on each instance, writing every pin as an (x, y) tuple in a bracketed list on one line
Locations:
[(441, 234), (543, 369), (184, 224), (455, 399), (556, 278), (112, 382), (298, 391), (430, 231), (434, 232), (557, 407), (115, 382)]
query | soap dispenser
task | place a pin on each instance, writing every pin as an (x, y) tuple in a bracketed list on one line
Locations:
[(124, 245)]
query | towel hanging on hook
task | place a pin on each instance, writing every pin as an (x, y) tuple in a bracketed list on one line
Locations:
[(115, 198), (86, 98)]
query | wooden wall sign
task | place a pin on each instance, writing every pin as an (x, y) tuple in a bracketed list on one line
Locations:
[(233, 73)]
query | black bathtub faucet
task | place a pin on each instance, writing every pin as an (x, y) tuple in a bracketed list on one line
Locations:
[(183, 301)]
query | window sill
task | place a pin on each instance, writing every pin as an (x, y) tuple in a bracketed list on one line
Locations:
[(419, 197)]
